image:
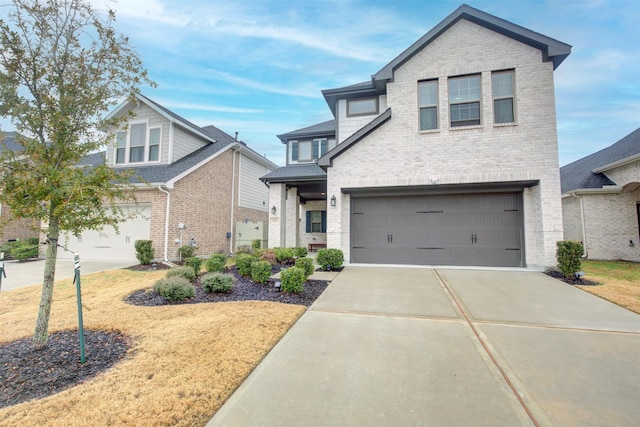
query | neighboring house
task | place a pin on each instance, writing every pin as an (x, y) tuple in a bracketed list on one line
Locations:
[(447, 156), (601, 200), (12, 228), (193, 184)]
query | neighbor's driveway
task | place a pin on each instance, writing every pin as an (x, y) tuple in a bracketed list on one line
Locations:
[(21, 274), (424, 347)]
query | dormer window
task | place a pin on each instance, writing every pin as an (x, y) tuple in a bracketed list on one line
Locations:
[(140, 144), (362, 107)]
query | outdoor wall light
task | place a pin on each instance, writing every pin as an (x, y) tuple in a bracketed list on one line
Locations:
[(273, 209), (333, 200)]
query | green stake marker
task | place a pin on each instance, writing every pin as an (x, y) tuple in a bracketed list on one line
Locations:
[(76, 280)]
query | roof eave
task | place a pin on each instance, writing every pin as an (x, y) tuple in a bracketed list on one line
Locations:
[(617, 163)]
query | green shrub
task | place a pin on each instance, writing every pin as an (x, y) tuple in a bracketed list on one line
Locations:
[(195, 263), (292, 279), (32, 240), (216, 282), (22, 250), (243, 262), (300, 252), (269, 256), (260, 271), (144, 251), (569, 255), (284, 255), (185, 272), (306, 264), (244, 249), (255, 244), (330, 259), (175, 288), (187, 251), (215, 263)]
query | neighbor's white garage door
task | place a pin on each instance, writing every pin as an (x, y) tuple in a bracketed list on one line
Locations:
[(109, 246)]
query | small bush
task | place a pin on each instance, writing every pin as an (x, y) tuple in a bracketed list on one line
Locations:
[(175, 288), (300, 252), (292, 279), (215, 263), (305, 264), (569, 255), (32, 240), (187, 251), (269, 256), (260, 271), (195, 263), (330, 259), (284, 255), (22, 249), (144, 251), (216, 282), (255, 244), (185, 272), (243, 262)]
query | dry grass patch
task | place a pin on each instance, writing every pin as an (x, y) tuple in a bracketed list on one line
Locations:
[(620, 282), (185, 362)]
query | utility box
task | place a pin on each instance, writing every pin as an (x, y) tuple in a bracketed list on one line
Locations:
[(247, 232)]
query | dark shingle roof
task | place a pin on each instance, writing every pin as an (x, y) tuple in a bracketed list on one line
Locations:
[(579, 174), (309, 171), (320, 129)]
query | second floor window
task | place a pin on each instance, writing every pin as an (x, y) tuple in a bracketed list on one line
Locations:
[(306, 151), (140, 144), (428, 103), (464, 100), (502, 88), (362, 107)]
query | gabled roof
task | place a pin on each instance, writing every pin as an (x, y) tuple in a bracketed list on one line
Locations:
[(327, 128), (163, 111), (327, 160), (551, 49), (587, 173)]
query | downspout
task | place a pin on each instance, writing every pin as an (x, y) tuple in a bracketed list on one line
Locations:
[(584, 230), (166, 223), (233, 197)]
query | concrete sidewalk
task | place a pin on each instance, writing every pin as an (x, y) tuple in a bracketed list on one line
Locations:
[(21, 274), (417, 346)]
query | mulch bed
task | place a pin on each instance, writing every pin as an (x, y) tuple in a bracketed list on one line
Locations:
[(244, 289), (572, 281), (26, 373)]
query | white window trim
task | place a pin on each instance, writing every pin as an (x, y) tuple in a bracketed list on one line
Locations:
[(454, 102), (127, 147)]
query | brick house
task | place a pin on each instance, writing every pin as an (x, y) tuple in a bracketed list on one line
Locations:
[(193, 183), (446, 156), (601, 201)]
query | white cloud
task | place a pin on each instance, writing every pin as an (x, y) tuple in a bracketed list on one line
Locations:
[(309, 91)]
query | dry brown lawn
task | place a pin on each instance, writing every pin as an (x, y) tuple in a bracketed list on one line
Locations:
[(620, 282), (185, 362)]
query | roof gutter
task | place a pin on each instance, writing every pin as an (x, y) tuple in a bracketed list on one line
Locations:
[(607, 189)]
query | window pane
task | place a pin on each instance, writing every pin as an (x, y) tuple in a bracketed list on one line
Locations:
[(316, 227), (136, 154), (138, 135), (428, 93), (503, 109), (464, 89), (465, 114), (362, 106), (304, 151), (428, 118), (154, 136), (502, 84), (120, 155), (153, 153), (121, 138), (316, 216)]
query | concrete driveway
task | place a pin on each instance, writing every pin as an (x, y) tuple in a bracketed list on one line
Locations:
[(21, 274), (443, 347)]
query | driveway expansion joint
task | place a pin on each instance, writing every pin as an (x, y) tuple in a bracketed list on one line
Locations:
[(389, 315)]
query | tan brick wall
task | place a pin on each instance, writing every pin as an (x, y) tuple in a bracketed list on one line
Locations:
[(15, 229), (572, 218), (625, 174), (398, 154)]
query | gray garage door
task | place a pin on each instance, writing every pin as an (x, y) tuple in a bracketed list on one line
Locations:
[(469, 229)]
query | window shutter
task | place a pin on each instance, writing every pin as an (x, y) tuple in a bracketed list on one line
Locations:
[(308, 221), (324, 221), (314, 149), (323, 147), (294, 151)]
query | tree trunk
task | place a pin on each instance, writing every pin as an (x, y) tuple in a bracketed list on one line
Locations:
[(41, 333)]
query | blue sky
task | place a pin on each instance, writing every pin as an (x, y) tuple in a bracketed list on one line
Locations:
[(257, 67)]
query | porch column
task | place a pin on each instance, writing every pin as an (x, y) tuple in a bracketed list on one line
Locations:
[(292, 217), (277, 219)]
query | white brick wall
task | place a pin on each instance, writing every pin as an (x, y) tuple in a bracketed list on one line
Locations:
[(350, 125), (398, 154), (304, 237)]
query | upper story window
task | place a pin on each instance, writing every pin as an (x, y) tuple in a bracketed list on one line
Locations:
[(362, 107), (140, 144), (306, 151), (503, 96), (464, 100), (428, 104)]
